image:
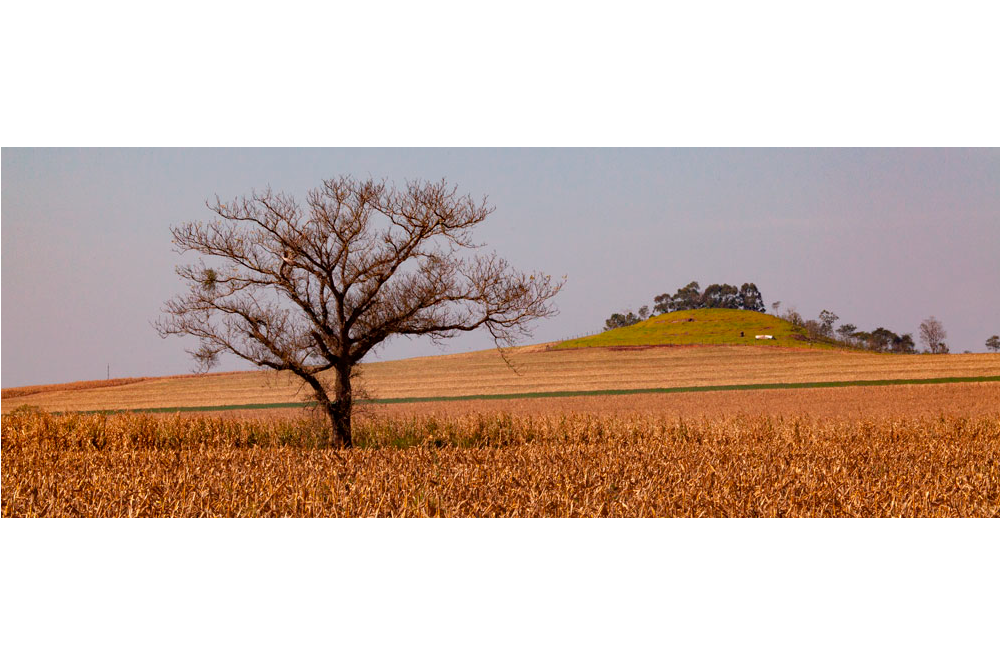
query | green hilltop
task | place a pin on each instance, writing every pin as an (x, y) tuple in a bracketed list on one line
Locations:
[(705, 326)]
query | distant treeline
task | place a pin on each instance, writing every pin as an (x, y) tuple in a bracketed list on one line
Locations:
[(881, 339), (931, 332), (691, 297)]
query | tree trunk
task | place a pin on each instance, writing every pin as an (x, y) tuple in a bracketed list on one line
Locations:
[(339, 410), (336, 407)]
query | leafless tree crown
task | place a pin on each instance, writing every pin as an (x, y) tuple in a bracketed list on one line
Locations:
[(314, 287), (932, 334)]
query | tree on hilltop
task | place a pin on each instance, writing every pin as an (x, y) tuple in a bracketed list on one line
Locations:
[(663, 303), (314, 289), (688, 297), (993, 343), (618, 320), (720, 296), (932, 335), (750, 298), (691, 297)]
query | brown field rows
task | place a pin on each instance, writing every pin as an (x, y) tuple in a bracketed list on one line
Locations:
[(975, 399), (956, 400), (538, 370)]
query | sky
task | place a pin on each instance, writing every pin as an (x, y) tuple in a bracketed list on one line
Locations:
[(879, 237)]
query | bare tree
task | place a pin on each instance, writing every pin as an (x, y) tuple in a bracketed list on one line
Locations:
[(792, 315), (313, 289), (932, 335)]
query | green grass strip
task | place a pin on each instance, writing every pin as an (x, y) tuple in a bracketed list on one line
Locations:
[(567, 394)]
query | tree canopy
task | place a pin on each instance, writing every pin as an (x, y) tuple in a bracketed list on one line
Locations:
[(690, 297), (315, 288)]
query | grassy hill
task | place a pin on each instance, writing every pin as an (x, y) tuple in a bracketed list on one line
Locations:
[(708, 326)]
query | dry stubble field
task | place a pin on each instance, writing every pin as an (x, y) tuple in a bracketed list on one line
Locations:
[(928, 450)]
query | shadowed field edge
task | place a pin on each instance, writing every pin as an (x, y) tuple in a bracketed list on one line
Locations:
[(566, 394)]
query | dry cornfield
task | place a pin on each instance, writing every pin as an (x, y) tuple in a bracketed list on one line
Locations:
[(501, 465)]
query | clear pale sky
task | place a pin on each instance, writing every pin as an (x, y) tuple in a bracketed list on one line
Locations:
[(880, 237)]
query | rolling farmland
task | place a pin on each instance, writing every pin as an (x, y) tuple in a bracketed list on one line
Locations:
[(281, 332), (538, 369), (895, 450)]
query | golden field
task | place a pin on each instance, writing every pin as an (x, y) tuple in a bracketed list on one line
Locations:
[(903, 450), (501, 465), (538, 369)]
